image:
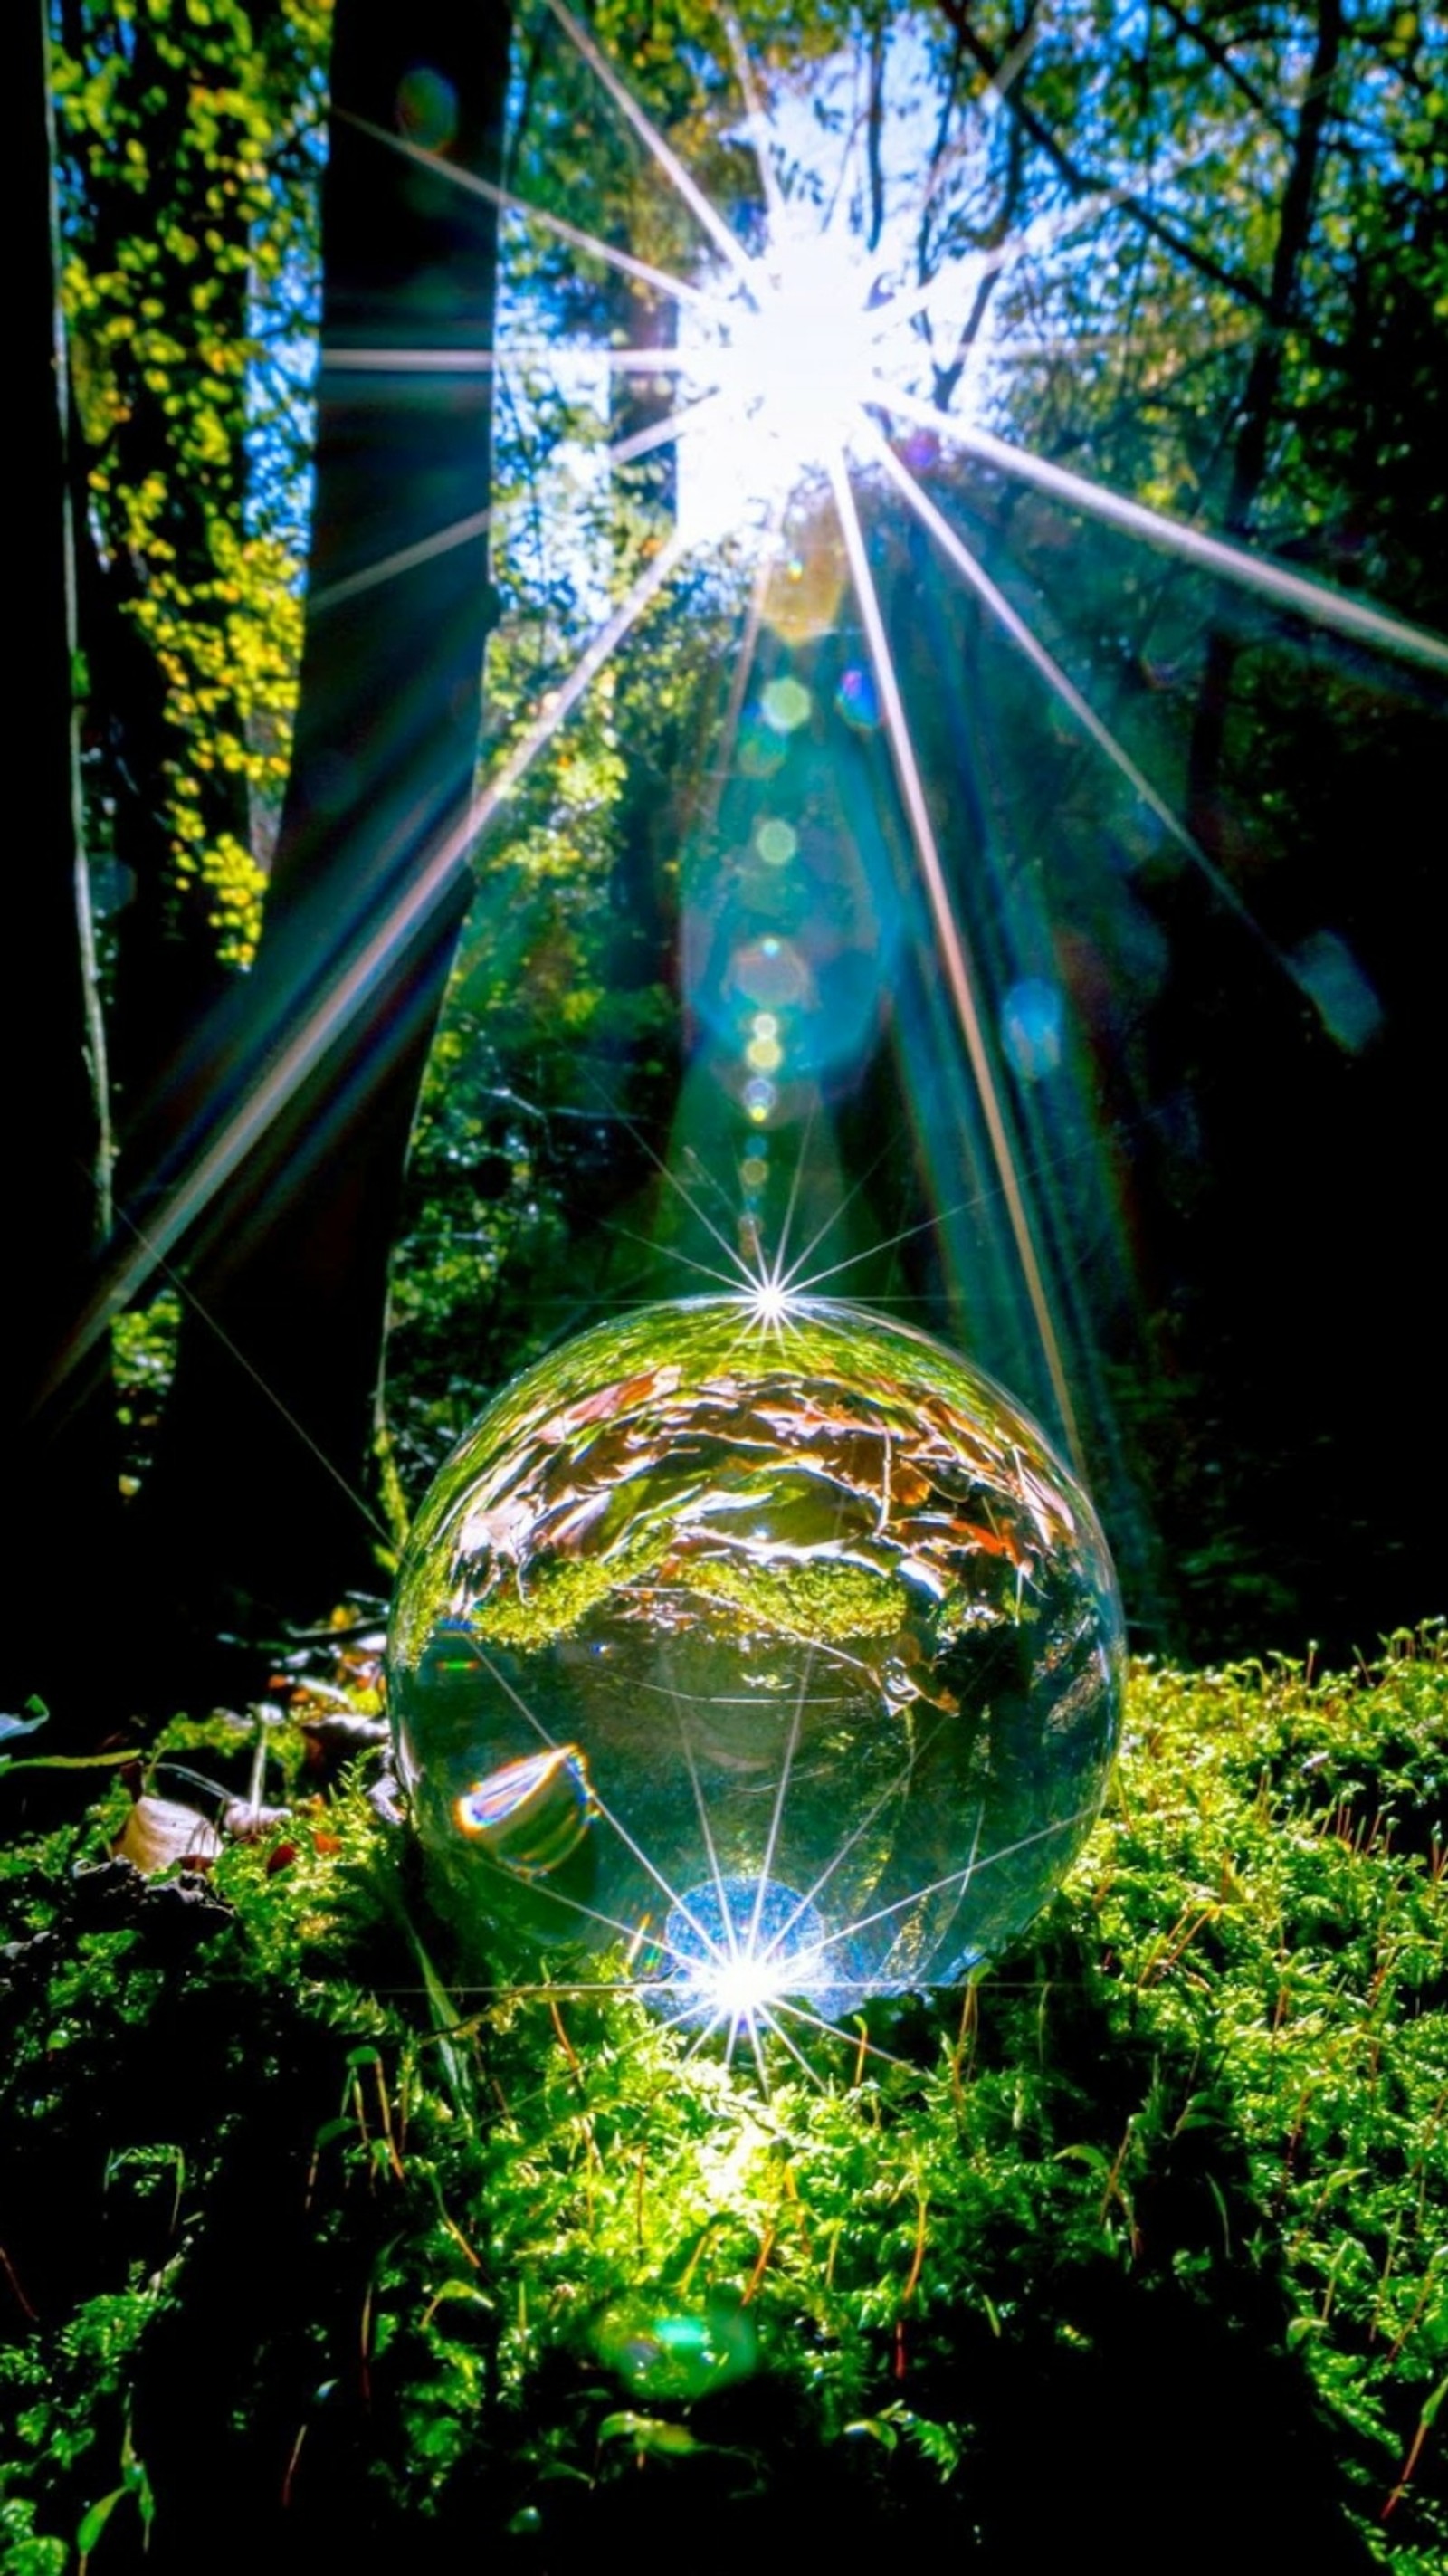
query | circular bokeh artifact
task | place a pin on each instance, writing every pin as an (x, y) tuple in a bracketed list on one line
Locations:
[(772, 1656)]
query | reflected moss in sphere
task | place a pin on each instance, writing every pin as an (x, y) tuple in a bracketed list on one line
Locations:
[(769, 1655)]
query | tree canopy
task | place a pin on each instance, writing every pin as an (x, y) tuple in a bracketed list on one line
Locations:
[(1123, 281)]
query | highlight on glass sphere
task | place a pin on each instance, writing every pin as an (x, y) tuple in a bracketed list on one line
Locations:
[(769, 1663)]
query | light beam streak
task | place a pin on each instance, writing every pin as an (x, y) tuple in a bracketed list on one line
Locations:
[(1043, 235), (1357, 619), (554, 354), (701, 1269), (756, 120), (786, 1767), (951, 941), (623, 451), (779, 1276), (953, 1878), (353, 989), (726, 1913), (850, 2039), (407, 559), (500, 1678), (739, 1269), (766, 2015), (1043, 661), (474, 186), (891, 1790), (739, 682), (668, 160), (660, 433), (233, 1350), (792, 1275)]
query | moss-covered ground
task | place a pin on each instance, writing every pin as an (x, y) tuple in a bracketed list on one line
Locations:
[(1140, 2245)]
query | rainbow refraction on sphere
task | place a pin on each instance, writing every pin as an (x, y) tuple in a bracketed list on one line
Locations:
[(773, 1658)]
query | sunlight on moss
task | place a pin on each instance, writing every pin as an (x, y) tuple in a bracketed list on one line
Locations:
[(1199, 2109)]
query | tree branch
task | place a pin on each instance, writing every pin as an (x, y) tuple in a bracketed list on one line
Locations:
[(1086, 183), (1220, 54)]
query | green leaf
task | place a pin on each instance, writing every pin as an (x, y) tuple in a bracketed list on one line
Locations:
[(94, 2523), (878, 2429), (649, 2433)]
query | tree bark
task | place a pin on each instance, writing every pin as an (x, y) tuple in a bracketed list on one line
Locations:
[(1254, 421), (61, 1539), (258, 1503), (642, 946)]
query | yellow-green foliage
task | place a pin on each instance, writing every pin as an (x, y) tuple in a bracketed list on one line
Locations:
[(186, 208)]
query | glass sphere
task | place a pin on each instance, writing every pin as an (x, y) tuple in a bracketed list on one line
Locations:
[(776, 1655)]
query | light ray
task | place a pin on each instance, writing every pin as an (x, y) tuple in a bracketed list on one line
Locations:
[(1338, 610), (850, 2039), (668, 160), (786, 1767), (553, 354), (661, 433), (353, 988), (1044, 234), (951, 940), (891, 1790), (721, 1278), (754, 2042), (407, 559), (766, 2015), (833, 1219), (964, 1889), (469, 180), (756, 120), (805, 1287), (778, 1274), (567, 1989), (727, 1699), (500, 1678), (739, 1268), (234, 1351), (726, 1911), (739, 682), (610, 1923), (1064, 688), (973, 1867)]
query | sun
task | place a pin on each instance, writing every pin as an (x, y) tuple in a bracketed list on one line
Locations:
[(802, 357), (801, 360)]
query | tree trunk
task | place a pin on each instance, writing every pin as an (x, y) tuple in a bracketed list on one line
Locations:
[(1254, 423), (642, 947), (257, 1506), (61, 1540)]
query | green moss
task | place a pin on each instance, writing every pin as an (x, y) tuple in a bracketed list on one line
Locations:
[(836, 1603), (1147, 2223), (555, 1598)]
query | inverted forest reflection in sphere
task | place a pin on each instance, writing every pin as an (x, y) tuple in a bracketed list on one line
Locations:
[(779, 1657)]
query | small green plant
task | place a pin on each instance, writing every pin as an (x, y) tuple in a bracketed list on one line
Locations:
[(1149, 2221)]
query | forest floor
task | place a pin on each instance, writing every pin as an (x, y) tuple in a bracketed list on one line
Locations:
[(1141, 2241)]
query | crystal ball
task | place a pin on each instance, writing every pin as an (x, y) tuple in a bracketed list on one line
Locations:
[(753, 1655)]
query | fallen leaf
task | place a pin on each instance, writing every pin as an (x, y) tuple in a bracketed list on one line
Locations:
[(160, 1834)]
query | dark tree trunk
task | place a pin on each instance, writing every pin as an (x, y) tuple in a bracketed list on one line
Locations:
[(257, 1504), (61, 1538), (641, 951), (1254, 422)]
